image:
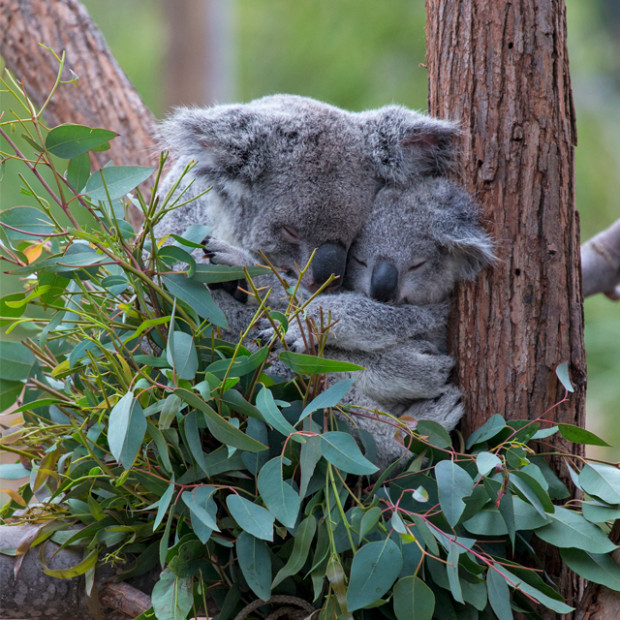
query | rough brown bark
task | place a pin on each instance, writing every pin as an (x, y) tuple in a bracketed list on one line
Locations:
[(104, 96), (501, 68)]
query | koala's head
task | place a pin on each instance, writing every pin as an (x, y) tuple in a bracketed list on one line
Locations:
[(292, 175), (418, 243)]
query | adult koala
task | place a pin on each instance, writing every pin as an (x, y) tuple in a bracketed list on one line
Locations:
[(291, 175)]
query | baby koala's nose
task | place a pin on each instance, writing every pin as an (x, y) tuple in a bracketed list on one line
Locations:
[(384, 281), (329, 258)]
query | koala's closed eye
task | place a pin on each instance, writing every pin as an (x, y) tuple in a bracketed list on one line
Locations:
[(357, 260), (290, 234), (417, 264)]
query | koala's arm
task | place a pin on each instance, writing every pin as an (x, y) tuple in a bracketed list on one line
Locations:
[(367, 325), (403, 374)]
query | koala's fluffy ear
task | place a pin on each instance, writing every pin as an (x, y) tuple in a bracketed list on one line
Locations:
[(223, 139), (405, 145), (457, 228)]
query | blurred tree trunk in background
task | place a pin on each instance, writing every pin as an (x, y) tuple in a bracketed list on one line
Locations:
[(104, 96), (501, 68), (201, 61)]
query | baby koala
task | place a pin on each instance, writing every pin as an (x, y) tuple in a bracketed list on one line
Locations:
[(416, 245)]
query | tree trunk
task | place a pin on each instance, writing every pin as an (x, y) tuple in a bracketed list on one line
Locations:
[(104, 97), (501, 68)]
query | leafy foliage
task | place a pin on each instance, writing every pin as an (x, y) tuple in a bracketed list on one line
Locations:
[(170, 447)]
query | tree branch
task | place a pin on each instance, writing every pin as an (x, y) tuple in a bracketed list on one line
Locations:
[(27, 592), (600, 263), (104, 97)]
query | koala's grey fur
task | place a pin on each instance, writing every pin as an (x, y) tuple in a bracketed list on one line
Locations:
[(430, 237)]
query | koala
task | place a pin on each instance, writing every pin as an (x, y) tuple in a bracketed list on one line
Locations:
[(416, 245), (290, 175)]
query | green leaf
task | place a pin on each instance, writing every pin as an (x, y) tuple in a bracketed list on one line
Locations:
[(69, 141), (329, 398), (580, 435), (211, 274), (453, 484), (271, 414), (279, 496), (255, 563), (570, 529), (181, 354), (492, 427), (533, 492), (194, 441), (304, 536), (547, 601), (28, 219), (596, 512), (309, 456), (119, 181), (562, 373), (452, 570), (16, 360), (9, 393), (78, 172), (341, 450), (374, 569), (172, 596), (490, 522), (202, 505), (162, 505), (79, 569), (412, 598), (311, 365), (499, 595), (435, 432), (602, 481), (219, 427), (251, 517), (13, 471), (196, 296), (485, 462), (598, 568), (126, 429)]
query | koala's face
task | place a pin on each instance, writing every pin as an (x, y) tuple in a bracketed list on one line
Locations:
[(417, 244)]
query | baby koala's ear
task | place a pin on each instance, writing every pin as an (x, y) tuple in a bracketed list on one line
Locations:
[(406, 145), (224, 140), (457, 228)]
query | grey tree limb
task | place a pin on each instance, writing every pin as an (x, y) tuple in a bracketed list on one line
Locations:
[(600, 263)]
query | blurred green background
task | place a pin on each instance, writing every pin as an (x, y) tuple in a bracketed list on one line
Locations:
[(361, 54)]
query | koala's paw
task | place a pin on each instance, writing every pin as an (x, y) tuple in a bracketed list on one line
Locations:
[(223, 253)]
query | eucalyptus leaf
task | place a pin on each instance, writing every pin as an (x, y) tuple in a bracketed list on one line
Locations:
[(126, 429), (172, 596), (412, 598), (255, 563), (279, 496), (375, 568), (251, 517), (69, 141), (341, 450), (570, 529), (453, 484)]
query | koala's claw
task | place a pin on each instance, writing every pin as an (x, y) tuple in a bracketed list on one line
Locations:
[(223, 253)]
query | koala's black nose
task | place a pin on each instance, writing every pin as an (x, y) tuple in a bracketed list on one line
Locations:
[(330, 258), (384, 281)]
